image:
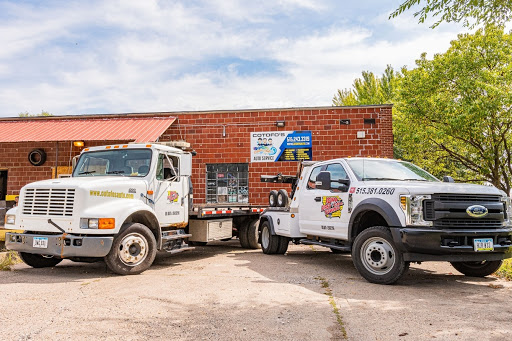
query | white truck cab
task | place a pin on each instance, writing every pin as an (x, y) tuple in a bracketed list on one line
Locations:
[(122, 204), (389, 213)]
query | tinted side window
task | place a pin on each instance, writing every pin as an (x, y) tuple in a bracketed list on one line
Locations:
[(312, 177), (337, 173)]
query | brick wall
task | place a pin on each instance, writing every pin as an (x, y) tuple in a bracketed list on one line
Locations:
[(204, 130), (330, 139)]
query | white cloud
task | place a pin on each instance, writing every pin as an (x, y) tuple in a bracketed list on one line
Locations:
[(133, 56)]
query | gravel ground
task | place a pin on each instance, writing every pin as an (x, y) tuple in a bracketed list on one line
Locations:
[(223, 292)]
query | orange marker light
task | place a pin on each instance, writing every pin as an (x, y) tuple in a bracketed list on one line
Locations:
[(108, 147), (148, 145), (150, 192), (125, 146), (86, 149), (106, 223), (116, 147), (293, 215)]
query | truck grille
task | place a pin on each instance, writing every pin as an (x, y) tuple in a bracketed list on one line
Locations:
[(49, 202), (448, 211)]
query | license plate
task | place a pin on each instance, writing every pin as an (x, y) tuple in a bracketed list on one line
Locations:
[(483, 244), (40, 242)]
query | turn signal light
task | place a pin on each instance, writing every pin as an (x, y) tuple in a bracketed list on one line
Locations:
[(106, 223), (150, 192)]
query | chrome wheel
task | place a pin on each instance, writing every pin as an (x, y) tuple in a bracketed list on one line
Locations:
[(377, 255), (265, 237), (133, 249)]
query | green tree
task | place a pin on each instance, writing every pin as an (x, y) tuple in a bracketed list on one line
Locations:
[(469, 12), (369, 89), (27, 114), (455, 111)]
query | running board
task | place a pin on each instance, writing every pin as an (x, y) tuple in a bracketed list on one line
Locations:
[(332, 246), (182, 249), (175, 236)]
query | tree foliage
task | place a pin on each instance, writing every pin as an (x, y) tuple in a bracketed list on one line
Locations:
[(369, 89), (27, 114), (455, 111), (469, 12)]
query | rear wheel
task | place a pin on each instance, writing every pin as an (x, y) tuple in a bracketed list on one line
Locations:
[(242, 235), (376, 257), (269, 243), (39, 261), (477, 269), (133, 251), (252, 234)]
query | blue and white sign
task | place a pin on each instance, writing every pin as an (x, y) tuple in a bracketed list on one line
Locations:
[(272, 146)]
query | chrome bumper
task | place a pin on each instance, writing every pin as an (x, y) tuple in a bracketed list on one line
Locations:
[(61, 245)]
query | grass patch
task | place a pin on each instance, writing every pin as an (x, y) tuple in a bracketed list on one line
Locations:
[(332, 302), (10, 259), (506, 270)]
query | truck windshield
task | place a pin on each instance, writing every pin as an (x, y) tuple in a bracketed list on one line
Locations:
[(120, 162), (388, 170)]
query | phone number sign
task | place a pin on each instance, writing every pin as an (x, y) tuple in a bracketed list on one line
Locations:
[(272, 146)]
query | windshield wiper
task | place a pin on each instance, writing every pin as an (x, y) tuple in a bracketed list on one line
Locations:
[(116, 172), (390, 179), (82, 173), (414, 180)]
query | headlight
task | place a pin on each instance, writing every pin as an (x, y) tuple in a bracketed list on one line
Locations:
[(10, 219), (97, 223), (507, 203), (412, 205)]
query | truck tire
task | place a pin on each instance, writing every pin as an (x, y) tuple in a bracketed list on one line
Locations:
[(242, 235), (269, 243), (477, 269), (376, 257), (272, 198), (133, 251), (282, 198), (252, 234), (39, 261), (283, 245)]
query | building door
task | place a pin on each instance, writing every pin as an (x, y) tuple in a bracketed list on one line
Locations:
[(3, 184)]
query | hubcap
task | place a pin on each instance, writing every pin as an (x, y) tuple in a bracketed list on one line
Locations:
[(271, 200), (265, 237), (280, 200), (377, 256), (133, 249)]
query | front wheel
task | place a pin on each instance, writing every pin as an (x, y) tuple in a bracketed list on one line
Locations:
[(477, 269), (39, 261), (269, 242), (133, 251), (376, 257)]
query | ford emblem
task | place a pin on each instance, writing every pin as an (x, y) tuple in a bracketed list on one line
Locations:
[(477, 211)]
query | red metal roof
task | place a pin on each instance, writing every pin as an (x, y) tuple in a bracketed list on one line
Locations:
[(131, 129)]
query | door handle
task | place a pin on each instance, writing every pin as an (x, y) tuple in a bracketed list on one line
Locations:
[(318, 199)]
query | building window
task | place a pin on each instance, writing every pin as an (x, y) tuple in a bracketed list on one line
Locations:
[(227, 183)]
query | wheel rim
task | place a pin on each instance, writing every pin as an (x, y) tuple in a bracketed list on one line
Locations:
[(265, 237), (133, 249), (279, 200), (377, 256), (271, 200)]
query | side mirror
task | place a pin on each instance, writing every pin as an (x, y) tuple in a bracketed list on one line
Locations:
[(323, 181), (448, 178), (345, 184)]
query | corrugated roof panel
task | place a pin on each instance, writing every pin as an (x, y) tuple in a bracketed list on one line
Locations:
[(132, 129)]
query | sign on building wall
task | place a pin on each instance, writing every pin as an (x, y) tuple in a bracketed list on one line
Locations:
[(272, 146)]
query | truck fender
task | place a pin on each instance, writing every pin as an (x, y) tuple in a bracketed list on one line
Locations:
[(377, 205), (264, 218), (128, 211)]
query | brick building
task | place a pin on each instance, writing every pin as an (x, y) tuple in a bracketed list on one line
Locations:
[(222, 140)]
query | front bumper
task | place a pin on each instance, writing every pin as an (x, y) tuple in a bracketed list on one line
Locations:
[(61, 245), (421, 244)]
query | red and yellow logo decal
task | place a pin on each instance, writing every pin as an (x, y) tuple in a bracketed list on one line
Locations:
[(172, 196), (332, 206)]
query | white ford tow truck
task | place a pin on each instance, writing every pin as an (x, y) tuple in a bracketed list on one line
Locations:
[(122, 204), (389, 213)]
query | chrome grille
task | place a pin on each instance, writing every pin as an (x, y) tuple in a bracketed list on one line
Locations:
[(49, 202)]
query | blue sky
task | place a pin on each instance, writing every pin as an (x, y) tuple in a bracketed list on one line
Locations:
[(84, 57)]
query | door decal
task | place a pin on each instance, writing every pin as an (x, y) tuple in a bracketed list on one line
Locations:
[(172, 196), (332, 206)]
